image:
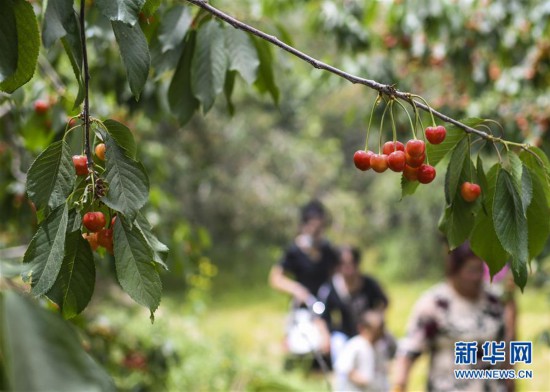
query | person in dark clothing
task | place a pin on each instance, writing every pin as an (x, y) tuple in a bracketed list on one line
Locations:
[(310, 260), (305, 265), (346, 296)]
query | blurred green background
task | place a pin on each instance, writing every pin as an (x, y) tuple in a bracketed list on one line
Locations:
[(225, 190)]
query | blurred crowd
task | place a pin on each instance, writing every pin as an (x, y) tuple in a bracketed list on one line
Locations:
[(337, 316)]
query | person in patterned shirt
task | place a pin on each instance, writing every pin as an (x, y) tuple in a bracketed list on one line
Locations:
[(459, 309)]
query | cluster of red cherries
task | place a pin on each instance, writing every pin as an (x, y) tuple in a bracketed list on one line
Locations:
[(408, 159)]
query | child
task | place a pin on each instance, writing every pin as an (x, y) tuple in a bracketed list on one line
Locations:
[(362, 363)]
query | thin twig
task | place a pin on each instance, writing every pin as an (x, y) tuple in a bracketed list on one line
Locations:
[(86, 108), (386, 89)]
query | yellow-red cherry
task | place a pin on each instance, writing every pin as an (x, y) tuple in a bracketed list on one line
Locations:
[(470, 191)]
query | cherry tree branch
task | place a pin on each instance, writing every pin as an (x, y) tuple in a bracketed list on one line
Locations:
[(86, 75), (384, 89)]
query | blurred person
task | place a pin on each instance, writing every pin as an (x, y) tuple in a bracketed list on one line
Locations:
[(306, 264), (363, 363), (457, 310), (346, 296), (502, 285), (309, 261)]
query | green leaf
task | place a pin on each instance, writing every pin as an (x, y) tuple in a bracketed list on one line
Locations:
[(228, 90), (458, 219), (123, 137), (436, 152), (74, 221), (483, 239), (536, 160), (266, 78), (74, 286), (135, 268), (538, 223), (182, 102), (46, 250), (173, 27), (28, 43), (135, 54), (408, 187), (60, 23), (8, 41), (150, 7), (482, 181), (160, 250), (519, 270), (526, 189), (127, 179), (74, 52), (209, 64), (124, 11), (509, 219), (42, 352), (242, 54), (50, 178), (454, 169)]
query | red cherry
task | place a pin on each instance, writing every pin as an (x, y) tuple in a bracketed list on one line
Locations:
[(415, 161), (410, 173), (73, 122), (436, 135), (94, 221), (415, 147), (470, 191), (396, 161), (361, 159), (80, 163), (113, 221), (390, 147), (426, 174), (379, 162), (41, 107), (105, 239)]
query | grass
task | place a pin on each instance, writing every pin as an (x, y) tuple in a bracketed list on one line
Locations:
[(235, 342)]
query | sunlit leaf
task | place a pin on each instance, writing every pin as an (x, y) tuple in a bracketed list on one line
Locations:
[(28, 43), (124, 11), (242, 54), (173, 26)]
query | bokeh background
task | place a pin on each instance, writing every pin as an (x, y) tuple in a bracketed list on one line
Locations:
[(226, 189)]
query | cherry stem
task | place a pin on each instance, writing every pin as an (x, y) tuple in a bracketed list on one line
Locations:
[(394, 130), (382, 126), (378, 98), (409, 116), (428, 106)]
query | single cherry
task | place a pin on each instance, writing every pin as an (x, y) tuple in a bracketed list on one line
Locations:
[(390, 147), (105, 239), (415, 161), (410, 173), (100, 151), (426, 174), (361, 159), (436, 135), (80, 163), (415, 147), (396, 161), (470, 191), (92, 240), (41, 107), (379, 162), (94, 221)]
